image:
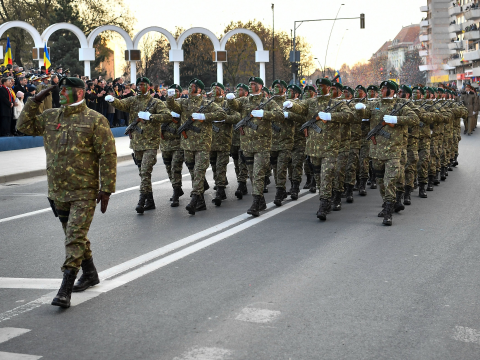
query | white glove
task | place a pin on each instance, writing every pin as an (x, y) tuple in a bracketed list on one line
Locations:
[(257, 113), (390, 119), (285, 114), (360, 106), (365, 119), (287, 104), (230, 96), (325, 116), (109, 98), (174, 114), (198, 116), (145, 115), (170, 92)]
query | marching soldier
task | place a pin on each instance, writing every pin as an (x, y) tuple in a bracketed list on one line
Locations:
[(309, 92), (82, 165)]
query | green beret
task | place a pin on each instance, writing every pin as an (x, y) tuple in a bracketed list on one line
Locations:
[(389, 84), (72, 82), (361, 87), (218, 84), (309, 87), (266, 90), (295, 88), (419, 88), (255, 79), (176, 87), (323, 81), (144, 80), (281, 82), (338, 85), (243, 86), (198, 83), (349, 89), (440, 90), (373, 87), (406, 89), (428, 88)]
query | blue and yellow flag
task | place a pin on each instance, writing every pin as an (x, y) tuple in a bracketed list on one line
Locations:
[(8, 54), (46, 58), (338, 77)]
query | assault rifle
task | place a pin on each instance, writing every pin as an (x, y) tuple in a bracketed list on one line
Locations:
[(188, 125), (134, 126), (378, 130), (165, 127), (246, 121)]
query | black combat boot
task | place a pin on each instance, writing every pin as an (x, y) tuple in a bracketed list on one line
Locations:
[(415, 184), (446, 170), (177, 192), (337, 201), (431, 181), (88, 278), (398, 203), (443, 176), (241, 190), (451, 165), (362, 187), (141, 203), (265, 184), (307, 183), (254, 209), (323, 209), (382, 213), (289, 192), (205, 185), (295, 190), (192, 207), (171, 197), (262, 205), (201, 205), (349, 194), (406, 198), (373, 185), (456, 160), (436, 180), (219, 196), (65, 292), (313, 185), (387, 218), (343, 194), (357, 184), (421, 190), (279, 196), (149, 202)]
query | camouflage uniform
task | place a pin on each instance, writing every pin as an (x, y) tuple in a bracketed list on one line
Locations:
[(364, 156), (236, 153), (295, 168), (343, 154), (355, 146), (79, 147), (426, 118), (412, 151)]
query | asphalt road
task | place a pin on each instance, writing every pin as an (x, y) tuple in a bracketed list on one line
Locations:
[(222, 285)]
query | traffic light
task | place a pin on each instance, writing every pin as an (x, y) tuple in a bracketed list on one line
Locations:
[(362, 21)]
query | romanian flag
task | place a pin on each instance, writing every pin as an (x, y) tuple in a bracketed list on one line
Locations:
[(46, 58), (338, 77), (8, 54)]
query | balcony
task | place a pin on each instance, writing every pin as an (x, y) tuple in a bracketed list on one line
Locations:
[(424, 8), (457, 45), (424, 23), (423, 53), (455, 62), (455, 28), (424, 38), (447, 67), (471, 55), (472, 14), (427, 67), (454, 10), (472, 35)]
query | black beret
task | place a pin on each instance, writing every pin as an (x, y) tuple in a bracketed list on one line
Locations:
[(72, 82), (323, 81), (243, 86), (176, 87), (255, 79), (144, 80), (295, 88), (220, 85), (281, 82)]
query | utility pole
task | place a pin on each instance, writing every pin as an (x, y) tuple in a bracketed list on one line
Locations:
[(273, 43)]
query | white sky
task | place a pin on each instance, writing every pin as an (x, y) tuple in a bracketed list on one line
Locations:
[(383, 18)]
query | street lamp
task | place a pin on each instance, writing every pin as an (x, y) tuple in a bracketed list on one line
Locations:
[(339, 47), (326, 51)]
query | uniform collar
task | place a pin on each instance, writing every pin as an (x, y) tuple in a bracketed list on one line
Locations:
[(69, 110)]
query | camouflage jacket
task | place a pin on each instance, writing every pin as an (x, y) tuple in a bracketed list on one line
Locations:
[(388, 148), (346, 132), (80, 149), (150, 139), (327, 142), (425, 119), (356, 128), (260, 139), (194, 141), (282, 140), (299, 140), (169, 140), (222, 129), (236, 134)]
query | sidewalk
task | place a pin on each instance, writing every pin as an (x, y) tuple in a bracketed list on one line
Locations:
[(26, 163)]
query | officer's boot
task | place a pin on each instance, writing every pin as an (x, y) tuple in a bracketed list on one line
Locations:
[(149, 202), (382, 213), (456, 159), (443, 176), (88, 278), (349, 194), (295, 190), (65, 292), (141, 203), (387, 218), (398, 203), (431, 181), (436, 180), (406, 198), (323, 209), (307, 183), (421, 190), (313, 185), (201, 205), (262, 205), (279, 196), (219, 196), (192, 207), (205, 185), (254, 210), (362, 187), (177, 192), (337, 201), (241, 190)]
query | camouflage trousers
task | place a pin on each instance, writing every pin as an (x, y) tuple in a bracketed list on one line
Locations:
[(352, 167), (364, 162), (456, 139), (447, 145), (239, 164), (173, 161), (279, 161), (146, 159), (387, 172), (257, 164), (219, 161), (197, 164), (422, 165), (432, 166), (400, 184), (411, 167), (295, 166), (340, 169), (440, 153), (307, 166), (76, 217), (324, 172)]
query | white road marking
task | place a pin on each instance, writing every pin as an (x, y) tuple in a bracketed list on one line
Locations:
[(205, 353), (25, 283), (260, 316), (8, 333), (13, 356), (466, 334), (45, 299)]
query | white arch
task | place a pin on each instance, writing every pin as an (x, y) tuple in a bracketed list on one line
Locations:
[(199, 30), (65, 26), (37, 39), (169, 36), (91, 37), (255, 37)]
